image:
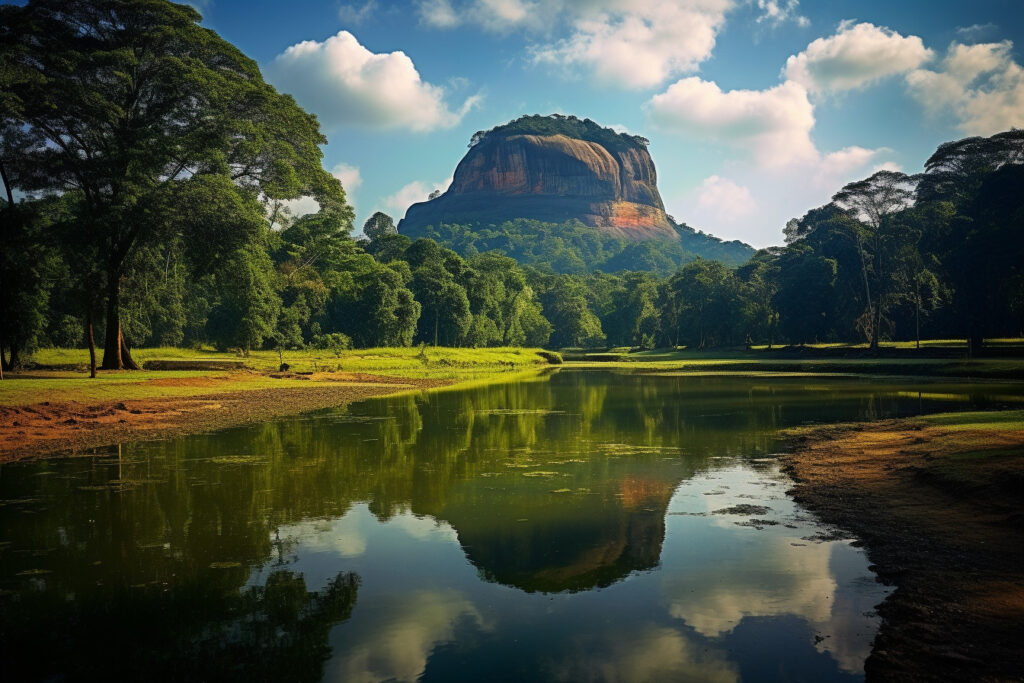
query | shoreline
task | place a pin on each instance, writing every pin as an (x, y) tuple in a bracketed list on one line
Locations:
[(938, 503), (64, 428)]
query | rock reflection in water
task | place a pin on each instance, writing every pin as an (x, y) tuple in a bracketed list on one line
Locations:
[(512, 531)]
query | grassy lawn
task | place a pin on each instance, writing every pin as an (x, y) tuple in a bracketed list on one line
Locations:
[(71, 381), (440, 361), (683, 360)]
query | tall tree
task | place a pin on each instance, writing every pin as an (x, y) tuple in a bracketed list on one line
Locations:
[(132, 103), (868, 203), (379, 225)]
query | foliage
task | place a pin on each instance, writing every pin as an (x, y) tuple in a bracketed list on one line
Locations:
[(164, 131), (560, 124), (573, 247), (379, 225)]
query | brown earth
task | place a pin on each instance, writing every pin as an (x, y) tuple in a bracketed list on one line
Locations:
[(951, 541), (52, 427)]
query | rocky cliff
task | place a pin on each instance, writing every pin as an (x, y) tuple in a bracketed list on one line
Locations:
[(552, 169)]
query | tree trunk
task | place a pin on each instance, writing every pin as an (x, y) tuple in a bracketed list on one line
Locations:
[(876, 325), (917, 322), (116, 354), (92, 345), (975, 342), (867, 292)]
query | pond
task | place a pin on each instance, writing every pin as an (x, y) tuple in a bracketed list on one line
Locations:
[(573, 526)]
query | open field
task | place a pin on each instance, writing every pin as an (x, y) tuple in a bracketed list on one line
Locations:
[(939, 504), (47, 410), (439, 362)]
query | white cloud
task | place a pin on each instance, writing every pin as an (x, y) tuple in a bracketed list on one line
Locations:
[(725, 199), (346, 84), (439, 13), (349, 176), (630, 43), (777, 195), (393, 637), (976, 31), (777, 12), (416, 191), (854, 57), (980, 86), (357, 14), (638, 44), (774, 124)]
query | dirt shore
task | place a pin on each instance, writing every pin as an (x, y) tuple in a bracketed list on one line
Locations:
[(71, 426), (940, 509)]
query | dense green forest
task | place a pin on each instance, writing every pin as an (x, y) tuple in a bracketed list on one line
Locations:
[(148, 169), (573, 247)]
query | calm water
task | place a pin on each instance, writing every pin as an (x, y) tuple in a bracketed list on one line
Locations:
[(570, 527)]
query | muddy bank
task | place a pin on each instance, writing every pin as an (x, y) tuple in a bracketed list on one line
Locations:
[(940, 510), (50, 427)]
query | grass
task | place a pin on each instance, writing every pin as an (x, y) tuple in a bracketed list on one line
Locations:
[(960, 344), (440, 362), (682, 360), (70, 381), (978, 420)]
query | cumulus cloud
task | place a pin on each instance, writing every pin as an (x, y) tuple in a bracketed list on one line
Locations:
[(774, 124), (629, 43), (349, 176), (771, 130), (858, 54), (777, 12), (416, 191), (725, 199), (639, 44), (346, 84), (980, 86)]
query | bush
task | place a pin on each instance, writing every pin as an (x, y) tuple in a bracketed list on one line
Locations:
[(332, 341)]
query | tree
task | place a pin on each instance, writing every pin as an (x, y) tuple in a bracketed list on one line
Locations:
[(704, 305), (379, 225), (867, 203), (372, 304), (805, 292), (633, 319), (575, 325), (136, 107), (760, 276)]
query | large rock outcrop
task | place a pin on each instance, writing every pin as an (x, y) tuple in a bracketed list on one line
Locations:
[(552, 169)]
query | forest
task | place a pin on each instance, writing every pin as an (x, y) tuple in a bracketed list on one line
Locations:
[(149, 174)]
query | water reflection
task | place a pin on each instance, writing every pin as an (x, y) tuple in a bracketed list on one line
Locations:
[(561, 528)]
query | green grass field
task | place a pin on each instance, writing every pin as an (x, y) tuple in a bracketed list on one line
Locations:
[(440, 362), (62, 374), (756, 362)]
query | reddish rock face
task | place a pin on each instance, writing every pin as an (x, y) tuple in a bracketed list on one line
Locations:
[(552, 178)]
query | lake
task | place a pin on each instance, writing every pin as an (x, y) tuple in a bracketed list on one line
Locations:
[(581, 525)]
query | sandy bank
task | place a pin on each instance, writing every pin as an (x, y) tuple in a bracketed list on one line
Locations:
[(939, 505)]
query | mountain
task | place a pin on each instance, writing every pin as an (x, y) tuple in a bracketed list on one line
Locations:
[(559, 170)]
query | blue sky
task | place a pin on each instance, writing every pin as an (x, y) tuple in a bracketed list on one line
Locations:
[(756, 110)]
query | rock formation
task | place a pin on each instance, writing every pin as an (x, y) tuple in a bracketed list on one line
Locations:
[(552, 169)]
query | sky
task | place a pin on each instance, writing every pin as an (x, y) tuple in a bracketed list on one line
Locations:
[(757, 110)]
